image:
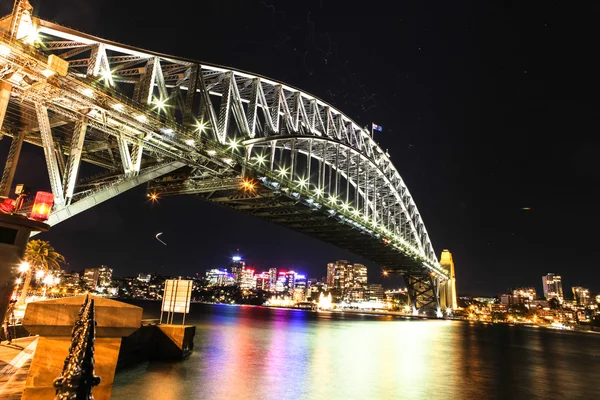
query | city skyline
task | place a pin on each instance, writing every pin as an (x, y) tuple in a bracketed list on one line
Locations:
[(484, 182)]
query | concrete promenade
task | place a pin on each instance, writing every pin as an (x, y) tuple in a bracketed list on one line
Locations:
[(15, 360)]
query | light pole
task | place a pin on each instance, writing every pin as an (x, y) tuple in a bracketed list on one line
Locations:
[(25, 270), (48, 280)]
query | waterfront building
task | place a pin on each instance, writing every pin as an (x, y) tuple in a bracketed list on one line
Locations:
[(104, 276), (90, 277), (237, 269), (272, 278), (289, 282), (552, 286), (217, 277), (527, 293), (300, 282), (263, 281), (347, 281), (247, 280), (331, 273), (375, 292), (69, 280), (581, 295)]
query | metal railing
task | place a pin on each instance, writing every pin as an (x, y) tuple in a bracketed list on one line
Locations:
[(77, 378)]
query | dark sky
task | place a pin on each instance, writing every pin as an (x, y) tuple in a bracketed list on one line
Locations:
[(486, 108)]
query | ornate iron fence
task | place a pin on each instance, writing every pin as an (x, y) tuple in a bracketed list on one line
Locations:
[(77, 378)]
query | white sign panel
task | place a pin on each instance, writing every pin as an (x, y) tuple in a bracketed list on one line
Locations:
[(177, 296)]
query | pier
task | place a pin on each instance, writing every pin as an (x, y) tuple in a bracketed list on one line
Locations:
[(30, 366)]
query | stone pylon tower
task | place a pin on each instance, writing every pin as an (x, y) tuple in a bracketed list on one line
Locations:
[(448, 296)]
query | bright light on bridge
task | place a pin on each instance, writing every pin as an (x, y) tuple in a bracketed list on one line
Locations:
[(248, 185), (160, 104), (233, 144), (260, 159), (4, 50), (282, 172), (302, 183), (200, 126)]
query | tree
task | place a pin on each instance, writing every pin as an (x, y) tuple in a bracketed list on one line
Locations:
[(41, 256)]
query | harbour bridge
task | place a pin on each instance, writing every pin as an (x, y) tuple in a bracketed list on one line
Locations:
[(228, 136)]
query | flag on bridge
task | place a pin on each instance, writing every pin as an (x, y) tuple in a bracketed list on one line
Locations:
[(376, 127)]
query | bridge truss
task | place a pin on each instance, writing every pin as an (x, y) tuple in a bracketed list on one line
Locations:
[(228, 136)]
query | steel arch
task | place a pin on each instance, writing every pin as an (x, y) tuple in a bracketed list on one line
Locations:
[(134, 111)]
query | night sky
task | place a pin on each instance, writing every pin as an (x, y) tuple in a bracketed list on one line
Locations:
[(487, 108)]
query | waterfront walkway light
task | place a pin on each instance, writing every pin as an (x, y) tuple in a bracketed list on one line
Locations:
[(24, 267)]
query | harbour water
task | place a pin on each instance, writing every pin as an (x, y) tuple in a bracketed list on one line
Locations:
[(244, 352)]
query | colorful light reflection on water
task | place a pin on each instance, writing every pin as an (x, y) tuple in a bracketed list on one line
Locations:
[(261, 353)]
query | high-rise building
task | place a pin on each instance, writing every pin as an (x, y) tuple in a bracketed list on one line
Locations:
[(104, 276), (347, 281), (247, 280), (581, 295), (552, 287), (273, 278), (528, 293), (218, 277), (237, 269), (263, 281), (300, 282), (448, 297), (90, 277), (375, 292), (290, 281), (336, 278)]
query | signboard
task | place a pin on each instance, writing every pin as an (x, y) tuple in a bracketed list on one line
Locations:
[(177, 296)]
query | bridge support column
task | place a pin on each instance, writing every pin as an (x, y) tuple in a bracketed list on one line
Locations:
[(5, 89), (11, 163), (423, 293)]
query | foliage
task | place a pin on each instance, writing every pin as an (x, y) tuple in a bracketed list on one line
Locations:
[(41, 255)]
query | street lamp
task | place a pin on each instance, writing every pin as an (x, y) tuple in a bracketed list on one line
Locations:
[(24, 267)]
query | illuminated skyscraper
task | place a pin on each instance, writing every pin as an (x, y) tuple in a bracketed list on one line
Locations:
[(247, 280), (527, 293), (97, 277), (552, 286), (263, 281), (581, 295), (272, 278), (104, 275), (347, 281), (237, 269)]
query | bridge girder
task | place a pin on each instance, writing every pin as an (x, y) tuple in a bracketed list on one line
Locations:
[(118, 108)]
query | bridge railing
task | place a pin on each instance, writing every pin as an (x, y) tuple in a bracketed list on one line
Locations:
[(77, 378)]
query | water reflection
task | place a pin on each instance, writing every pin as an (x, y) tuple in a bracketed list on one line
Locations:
[(259, 353)]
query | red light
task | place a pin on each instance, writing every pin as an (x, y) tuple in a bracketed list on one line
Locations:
[(282, 273), (42, 206), (8, 205)]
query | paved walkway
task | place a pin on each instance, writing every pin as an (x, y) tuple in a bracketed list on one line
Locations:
[(15, 360)]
